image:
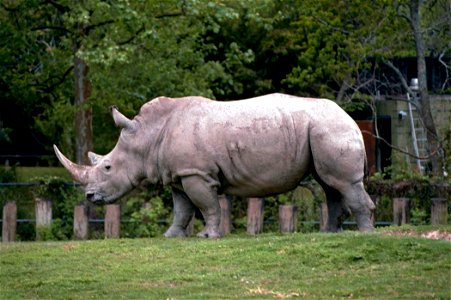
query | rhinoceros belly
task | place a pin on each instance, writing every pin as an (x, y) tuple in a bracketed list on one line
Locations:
[(263, 162), (253, 148)]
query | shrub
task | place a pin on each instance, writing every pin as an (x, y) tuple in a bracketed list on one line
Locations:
[(144, 214), (64, 197)]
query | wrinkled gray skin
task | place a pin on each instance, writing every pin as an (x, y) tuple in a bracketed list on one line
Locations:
[(251, 148)]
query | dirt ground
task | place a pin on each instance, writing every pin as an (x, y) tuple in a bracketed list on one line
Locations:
[(434, 235)]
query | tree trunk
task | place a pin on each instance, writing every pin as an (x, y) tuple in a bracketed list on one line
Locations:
[(424, 101), (83, 114)]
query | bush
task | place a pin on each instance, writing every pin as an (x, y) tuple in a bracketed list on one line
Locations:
[(401, 182), (64, 197), (145, 214)]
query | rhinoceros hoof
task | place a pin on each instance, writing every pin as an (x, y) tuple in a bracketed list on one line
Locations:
[(209, 233), (175, 232), (366, 228)]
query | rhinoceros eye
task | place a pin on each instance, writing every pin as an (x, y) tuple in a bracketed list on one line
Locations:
[(106, 165)]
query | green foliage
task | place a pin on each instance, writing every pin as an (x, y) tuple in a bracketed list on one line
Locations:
[(64, 197), (313, 266), (144, 216), (334, 40), (400, 181), (420, 216), (9, 193), (138, 50), (53, 232), (8, 174)]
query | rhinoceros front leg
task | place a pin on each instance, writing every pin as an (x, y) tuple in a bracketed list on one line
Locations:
[(204, 195), (183, 212)]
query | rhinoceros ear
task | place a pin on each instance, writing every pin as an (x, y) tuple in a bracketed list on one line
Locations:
[(94, 158), (122, 121)]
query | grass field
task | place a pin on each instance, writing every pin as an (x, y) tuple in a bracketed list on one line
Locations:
[(30, 173), (313, 266)]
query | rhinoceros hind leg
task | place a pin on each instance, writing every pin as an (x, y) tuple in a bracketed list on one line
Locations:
[(360, 204), (344, 198), (204, 195), (183, 212)]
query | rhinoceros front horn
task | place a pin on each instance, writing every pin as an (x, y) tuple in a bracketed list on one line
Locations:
[(79, 173), (122, 121)]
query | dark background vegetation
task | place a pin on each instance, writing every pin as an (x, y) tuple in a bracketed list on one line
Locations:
[(64, 63), (220, 49)]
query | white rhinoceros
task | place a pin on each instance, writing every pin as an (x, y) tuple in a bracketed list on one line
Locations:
[(251, 148)]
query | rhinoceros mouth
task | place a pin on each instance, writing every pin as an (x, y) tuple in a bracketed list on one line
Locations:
[(97, 198)]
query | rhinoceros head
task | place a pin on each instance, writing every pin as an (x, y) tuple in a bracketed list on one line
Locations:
[(110, 176)]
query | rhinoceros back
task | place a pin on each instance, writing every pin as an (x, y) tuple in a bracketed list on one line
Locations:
[(250, 147)]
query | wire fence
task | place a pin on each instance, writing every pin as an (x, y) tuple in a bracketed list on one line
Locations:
[(401, 213)]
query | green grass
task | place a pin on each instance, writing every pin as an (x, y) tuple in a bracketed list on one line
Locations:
[(30, 173), (313, 266)]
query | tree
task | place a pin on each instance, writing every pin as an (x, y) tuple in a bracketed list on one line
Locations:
[(342, 44), (33, 72), (133, 50), (93, 28), (414, 12), (336, 41)]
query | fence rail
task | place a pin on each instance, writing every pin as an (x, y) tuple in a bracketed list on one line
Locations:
[(34, 183), (255, 220), (265, 222)]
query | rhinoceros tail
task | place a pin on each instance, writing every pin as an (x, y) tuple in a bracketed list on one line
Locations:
[(366, 172)]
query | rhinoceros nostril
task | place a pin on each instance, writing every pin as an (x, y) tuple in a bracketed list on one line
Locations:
[(89, 196)]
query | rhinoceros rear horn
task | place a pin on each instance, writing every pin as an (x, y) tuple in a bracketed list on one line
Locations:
[(94, 158), (122, 121), (78, 172)]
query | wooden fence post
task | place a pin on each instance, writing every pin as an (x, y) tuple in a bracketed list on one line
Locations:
[(323, 217), (9, 225), (375, 200), (225, 226), (255, 215), (43, 212), (401, 211), (112, 221), (439, 211), (288, 218), (81, 222)]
